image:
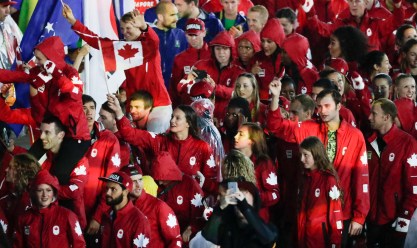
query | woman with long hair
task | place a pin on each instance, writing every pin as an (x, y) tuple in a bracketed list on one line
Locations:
[(320, 220), (250, 140), (247, 87), (409, 58), (20, 173), (192, 155)]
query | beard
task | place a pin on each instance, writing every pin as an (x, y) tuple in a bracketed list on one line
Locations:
[(115, 201)]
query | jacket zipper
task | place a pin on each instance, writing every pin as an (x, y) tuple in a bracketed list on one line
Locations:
[(178, 155), (42, 222)]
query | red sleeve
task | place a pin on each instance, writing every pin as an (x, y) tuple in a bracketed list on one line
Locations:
[(86, 34), (8, 76), (136, 136), (142, 233), (75, 234), (320, 27), (16, 116), (78, 178), (150, 42), (409, 199), (170, 232), (18, 240), (280, 127), (196, 208), (268, 184), (335, 214), (71, 84), (360, 182), (210, 171)]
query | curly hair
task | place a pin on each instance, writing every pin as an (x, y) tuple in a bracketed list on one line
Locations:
[(237, 165), (26, 167), (353, 43)]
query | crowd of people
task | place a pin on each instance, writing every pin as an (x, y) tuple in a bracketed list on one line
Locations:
[(247, 124)]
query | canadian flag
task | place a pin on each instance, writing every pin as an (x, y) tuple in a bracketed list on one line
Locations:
[(121, 55)]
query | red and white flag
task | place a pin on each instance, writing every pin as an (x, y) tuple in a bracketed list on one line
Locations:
[(121, 55)]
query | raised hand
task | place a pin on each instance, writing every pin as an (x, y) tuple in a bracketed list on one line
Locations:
[(138, 20), (67, 13)]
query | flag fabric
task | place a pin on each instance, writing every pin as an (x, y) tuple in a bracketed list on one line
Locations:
[(46, 21), (102, 21), (121, 55), (26, 11)]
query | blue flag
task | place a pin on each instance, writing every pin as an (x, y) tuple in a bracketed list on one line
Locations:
[(47, 20)]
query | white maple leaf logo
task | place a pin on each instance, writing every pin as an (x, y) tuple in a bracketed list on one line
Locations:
[(80, 170), (334, 193), (116, 160), (78, 229), (3, 225), (171, 221), (196, 201), (73, 187), (76, 80), (272, 179), (152, 134), (211, 162), (364, 158), (412, 161), (141, 241)]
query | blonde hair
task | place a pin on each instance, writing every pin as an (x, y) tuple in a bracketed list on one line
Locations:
[(236, 165), (255, 92)]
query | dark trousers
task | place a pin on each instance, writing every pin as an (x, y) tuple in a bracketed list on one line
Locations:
[(384, 236)]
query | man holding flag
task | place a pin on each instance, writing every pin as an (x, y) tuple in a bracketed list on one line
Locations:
[(140, 59)]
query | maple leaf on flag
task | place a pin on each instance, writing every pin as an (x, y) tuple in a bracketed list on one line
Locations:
[(272, 179), (127, 52), (116, 160), (211, 162), (141, 241), (81, 170), (78, 229), (3, 225), (412, 161), (334, 193), (364, 158), (196, 201), (171, 221)]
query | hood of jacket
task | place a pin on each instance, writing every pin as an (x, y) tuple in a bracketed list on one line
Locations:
[(296, 46), (53, 48), (253, 38), (273, 31), (164, 168)]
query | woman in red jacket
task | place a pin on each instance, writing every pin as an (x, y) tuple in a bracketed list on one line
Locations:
[(250, 140), (320, 212), (46, 224), (247, 87)]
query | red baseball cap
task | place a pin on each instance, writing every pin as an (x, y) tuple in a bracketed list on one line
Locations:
[(194, 26), (120, 178), (132, 170), (201, 89), (339, 65)]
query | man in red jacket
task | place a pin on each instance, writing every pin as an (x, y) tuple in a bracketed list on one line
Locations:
[(147, 76), (123, 224), (345, 147), (392, 156), (165, 230), (195, 32)]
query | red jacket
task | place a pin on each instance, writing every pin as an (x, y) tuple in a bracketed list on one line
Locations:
[(407, 115), (270, 65), (185, 199), (74, 189), (320, 205), (375, 29), (129, 229), (255, 41), (191, 155), (392, 177), (182, 66), (350, 161), (267, 184), (144, 77), (60, 96), (297, 48), (215, 6), (224, 78), (103, 159), (49, 227), (165, 230)]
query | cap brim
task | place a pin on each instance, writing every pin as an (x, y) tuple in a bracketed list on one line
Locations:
[(194, 32), (105, 179)]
